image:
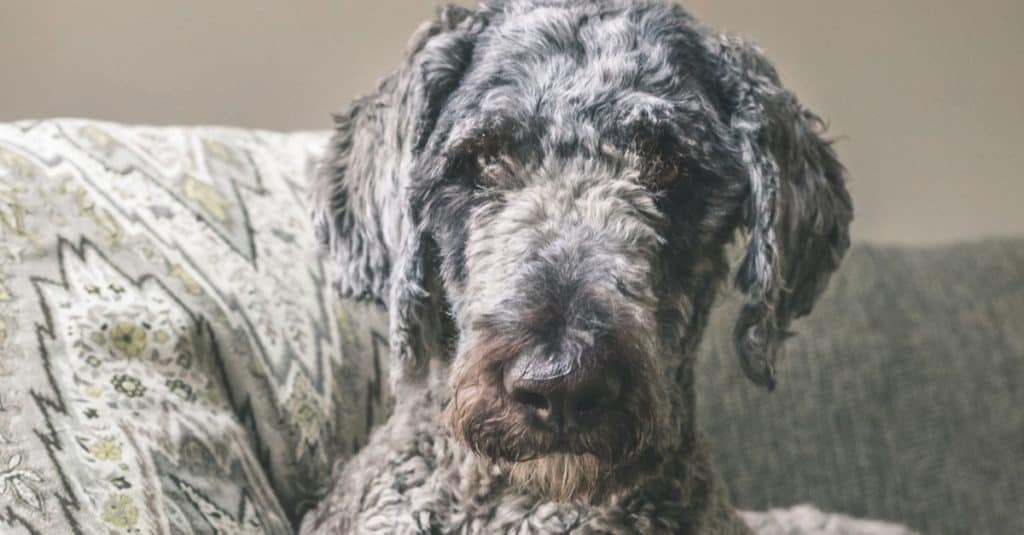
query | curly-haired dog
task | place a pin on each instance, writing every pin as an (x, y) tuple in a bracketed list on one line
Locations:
[(542, 196)]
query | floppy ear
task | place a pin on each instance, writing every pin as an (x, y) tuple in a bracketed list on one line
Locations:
[(798, 210), (360, 199)]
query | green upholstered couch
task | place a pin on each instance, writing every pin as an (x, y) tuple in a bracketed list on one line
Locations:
[(172, 359)]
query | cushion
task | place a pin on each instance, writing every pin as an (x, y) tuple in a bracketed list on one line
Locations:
[(171, 359), (900, 398)]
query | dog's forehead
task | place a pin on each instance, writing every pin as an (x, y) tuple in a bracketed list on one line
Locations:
[(580, 59), (582, 77)]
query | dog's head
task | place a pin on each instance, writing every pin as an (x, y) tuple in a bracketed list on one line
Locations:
[(542, 196)]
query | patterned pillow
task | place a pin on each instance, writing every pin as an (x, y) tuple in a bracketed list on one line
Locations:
[(171, 359)]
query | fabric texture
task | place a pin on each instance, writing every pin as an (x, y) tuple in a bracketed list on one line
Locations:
[(900, 398), (804, 519), (171, 360)]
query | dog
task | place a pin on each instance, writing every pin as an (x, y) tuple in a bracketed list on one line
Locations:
[(542, 197)]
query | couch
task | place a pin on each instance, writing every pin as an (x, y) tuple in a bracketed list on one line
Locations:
[(174, 360)]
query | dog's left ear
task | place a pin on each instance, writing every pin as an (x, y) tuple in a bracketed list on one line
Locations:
[(798, 210), (361, 198)]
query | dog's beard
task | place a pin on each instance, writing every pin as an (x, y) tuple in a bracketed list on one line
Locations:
[(481, 418), (584, 465), (587, 468), (560, 477)]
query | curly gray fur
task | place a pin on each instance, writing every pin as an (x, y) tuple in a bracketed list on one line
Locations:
[(559, 180)]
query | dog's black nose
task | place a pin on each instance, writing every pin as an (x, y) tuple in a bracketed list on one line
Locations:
[(563, 397)]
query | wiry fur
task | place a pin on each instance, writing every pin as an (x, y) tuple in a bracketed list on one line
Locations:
[(557, 180), (561, 477)]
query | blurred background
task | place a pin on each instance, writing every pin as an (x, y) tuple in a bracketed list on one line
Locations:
[(924, 95)]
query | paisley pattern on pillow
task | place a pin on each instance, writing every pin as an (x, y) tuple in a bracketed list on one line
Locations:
[(171, 358)]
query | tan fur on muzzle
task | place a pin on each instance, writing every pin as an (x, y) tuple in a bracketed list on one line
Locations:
[(560, 477)]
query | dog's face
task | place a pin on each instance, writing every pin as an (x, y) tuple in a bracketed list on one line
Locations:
[(572, 303), (542, 198), (576, 266)]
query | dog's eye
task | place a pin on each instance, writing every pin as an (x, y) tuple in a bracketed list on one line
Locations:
[(655, 151), (488, 161), (660, 175), (493, 170)]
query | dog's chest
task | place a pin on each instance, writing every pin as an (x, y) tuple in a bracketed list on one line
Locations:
[(451, 494)]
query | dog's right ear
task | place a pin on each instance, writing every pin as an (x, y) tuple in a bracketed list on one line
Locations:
[(360, 197)]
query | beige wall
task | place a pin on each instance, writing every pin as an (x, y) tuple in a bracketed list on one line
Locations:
[(925, 94)]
